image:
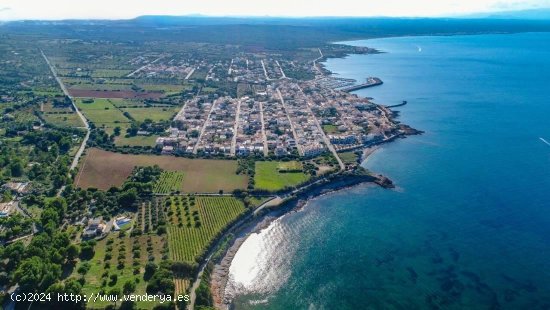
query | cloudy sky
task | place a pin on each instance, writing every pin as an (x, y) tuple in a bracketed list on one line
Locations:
[(114, 9)]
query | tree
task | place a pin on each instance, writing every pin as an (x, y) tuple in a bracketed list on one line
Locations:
[(72, 252), (150, 269), (115, 291), (16, 168), (127, 198), (64, 145), (161, 282), (116, 131), (129, 287)]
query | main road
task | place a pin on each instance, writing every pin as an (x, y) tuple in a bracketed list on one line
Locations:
[(325, 138), (82, 118)]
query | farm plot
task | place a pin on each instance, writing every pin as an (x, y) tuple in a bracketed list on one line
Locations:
[(102, 113), (155, 114), (102, 169), (194, 223), (170, 181), (269, 177), (150, 217), (119, 259), (135, 140)]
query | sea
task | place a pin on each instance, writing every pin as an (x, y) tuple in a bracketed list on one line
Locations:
[(468, 225)]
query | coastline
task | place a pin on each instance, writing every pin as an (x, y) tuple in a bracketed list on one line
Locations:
[(294, 201), (220, 272)]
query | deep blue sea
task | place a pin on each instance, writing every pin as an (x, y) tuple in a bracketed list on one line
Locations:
[(468, 226)]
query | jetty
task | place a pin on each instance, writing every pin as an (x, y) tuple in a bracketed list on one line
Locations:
[(371, 81), (397, 105)]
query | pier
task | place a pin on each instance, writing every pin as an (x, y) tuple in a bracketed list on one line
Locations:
[(372, 81)]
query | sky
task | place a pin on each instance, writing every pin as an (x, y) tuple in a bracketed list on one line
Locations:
[(123, 9)]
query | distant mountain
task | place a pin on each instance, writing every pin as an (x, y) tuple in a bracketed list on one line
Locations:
[(532, 14)]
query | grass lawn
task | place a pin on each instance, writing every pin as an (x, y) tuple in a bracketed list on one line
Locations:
[(268, 177), (293, 166), (136, 140), (257, 201), (348, 157), (330, 129), (102, 169)]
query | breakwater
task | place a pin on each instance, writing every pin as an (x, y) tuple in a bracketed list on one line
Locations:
[(372, 81)]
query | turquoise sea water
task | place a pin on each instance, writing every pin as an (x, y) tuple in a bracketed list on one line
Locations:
[(468, 226)]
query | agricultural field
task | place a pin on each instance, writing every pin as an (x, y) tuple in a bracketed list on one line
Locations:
[(63, 116), (102, 169), (110, 73), (268, 177), (156, 114), (135, 140), (195, 221), (118, 259), (102, 112), (63, 119), (170, 181), (166, 88)]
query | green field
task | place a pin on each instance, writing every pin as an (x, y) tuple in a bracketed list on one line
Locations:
[(155, 114), (330, 129), (195, 222), (96, 104), (289, 166), (268, 177), (135, 140), (63, 120), (348, 157), (102, 112), (166, 88), (109, 73), (170, 181)]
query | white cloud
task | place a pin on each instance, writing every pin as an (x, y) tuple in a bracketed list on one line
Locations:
[(64, 9)]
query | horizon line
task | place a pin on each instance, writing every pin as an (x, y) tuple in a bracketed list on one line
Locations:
[(473, 15)]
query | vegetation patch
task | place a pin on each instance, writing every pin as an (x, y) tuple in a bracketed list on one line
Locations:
[(155, 114), (195, 222), (268, 177), (170, 181), (290, 166)]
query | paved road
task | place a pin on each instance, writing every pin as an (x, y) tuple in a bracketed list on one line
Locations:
[(84, 121), (235, 128), (281, 69), (144, 66), (265, 70), (204, 127), (316, 60), (325, 138), (264, 137), (300, 151)]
